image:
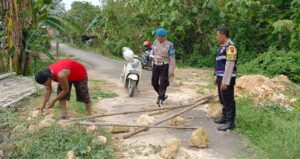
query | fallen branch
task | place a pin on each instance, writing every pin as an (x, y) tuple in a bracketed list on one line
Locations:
[(6, 75), (165, 119), (143, 110), (132, 125), (19, 99)]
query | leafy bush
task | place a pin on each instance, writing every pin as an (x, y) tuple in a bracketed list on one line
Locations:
[(55, 142), (254, 25), (201, 61), (274, 63)]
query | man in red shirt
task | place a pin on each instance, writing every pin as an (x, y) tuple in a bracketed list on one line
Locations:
[(66, 73)]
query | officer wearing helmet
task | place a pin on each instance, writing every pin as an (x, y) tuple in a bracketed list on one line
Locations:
[(163, 56)]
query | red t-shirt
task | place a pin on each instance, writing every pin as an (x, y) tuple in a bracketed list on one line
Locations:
[(77, 70)]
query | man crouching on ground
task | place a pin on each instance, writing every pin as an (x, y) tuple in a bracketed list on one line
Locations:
[(66, 73)]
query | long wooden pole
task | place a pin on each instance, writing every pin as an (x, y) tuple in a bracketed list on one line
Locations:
[(165, 119), (143, 110), (159, 112), (132, 125)]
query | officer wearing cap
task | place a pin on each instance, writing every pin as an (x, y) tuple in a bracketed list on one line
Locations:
[(163, 55), (225, 72)]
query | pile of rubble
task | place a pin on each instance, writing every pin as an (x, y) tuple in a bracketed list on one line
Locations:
[(265, 90)]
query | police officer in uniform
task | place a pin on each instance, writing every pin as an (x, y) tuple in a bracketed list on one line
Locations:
[(163, 56), (225, 72)]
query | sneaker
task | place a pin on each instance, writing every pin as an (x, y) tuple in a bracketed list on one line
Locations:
[(160, 103)]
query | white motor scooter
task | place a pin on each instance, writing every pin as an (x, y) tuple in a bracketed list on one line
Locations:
[(132, 71)]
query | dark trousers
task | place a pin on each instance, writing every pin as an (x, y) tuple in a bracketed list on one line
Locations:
[(160, 79), (227, 100)]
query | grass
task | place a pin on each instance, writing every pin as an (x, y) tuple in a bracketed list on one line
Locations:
[(8, 118), (53, 142), (271, 130)]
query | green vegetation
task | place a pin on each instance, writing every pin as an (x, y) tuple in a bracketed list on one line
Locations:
[(275, 62), (272, 130), (27, 27), (55, 142), (8, 118), (255, 26)]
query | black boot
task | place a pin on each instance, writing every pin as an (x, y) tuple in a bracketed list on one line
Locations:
[(227, 126), (157, 101), (220, 120)]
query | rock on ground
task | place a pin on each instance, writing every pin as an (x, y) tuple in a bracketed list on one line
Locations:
[(91, 128), (64, 123), (100, 139), (214, 110), (35, 113), (177, 121), (1, 154), (46, 123), (170, 148), (71, 155), (32, 128), (118, 129), (145, 120), (199, 138)]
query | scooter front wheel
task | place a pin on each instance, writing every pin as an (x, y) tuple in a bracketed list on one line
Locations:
[(131, 87)]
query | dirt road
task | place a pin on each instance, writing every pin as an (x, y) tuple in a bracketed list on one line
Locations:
[(221, 145)]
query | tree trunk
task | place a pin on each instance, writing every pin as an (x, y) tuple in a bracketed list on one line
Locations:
[(14, 35), (2, 67), (20, 58)]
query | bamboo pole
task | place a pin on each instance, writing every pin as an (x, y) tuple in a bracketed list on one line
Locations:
[(165, 119), (139, 111), (133, 125), (159, 112)]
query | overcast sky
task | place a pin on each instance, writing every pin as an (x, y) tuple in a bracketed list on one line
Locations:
[(69, 2)]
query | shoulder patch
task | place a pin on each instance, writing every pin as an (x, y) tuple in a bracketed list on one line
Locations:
[(231, 53), (171, 50)]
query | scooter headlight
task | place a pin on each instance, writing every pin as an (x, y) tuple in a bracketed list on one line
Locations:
[(135, 63)]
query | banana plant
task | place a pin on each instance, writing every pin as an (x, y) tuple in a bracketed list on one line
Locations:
[(27, 24)]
